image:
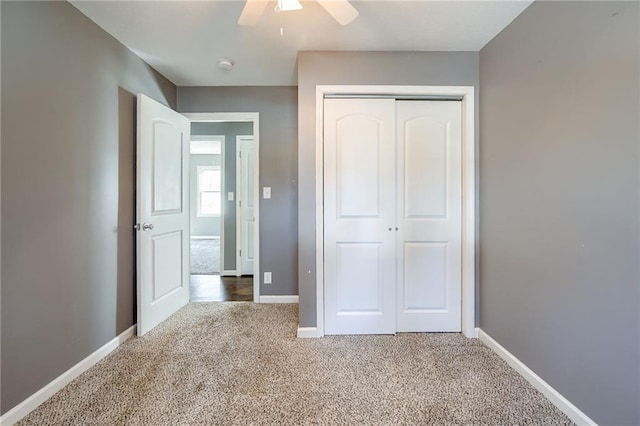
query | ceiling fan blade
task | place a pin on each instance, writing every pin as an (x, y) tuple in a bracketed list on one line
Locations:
[(341, 10), (252, 12)]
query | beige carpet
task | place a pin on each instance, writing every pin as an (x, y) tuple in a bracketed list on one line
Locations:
[(240, 363)]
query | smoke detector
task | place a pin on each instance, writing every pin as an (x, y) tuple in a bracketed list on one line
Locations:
[(225, 64)]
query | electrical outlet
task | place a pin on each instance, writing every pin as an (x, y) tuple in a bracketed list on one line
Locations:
[(267, 277)]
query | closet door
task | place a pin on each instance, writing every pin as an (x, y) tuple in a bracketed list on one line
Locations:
[(359, 216), (429, 211)]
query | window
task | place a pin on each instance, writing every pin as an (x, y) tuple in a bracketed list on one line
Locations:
[(209, 191)]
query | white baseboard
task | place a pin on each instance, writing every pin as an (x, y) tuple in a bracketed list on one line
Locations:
[(472, 334), (28, 405), (573, 412), (205, 237), (229, 273), (307, 332), (278, 299)]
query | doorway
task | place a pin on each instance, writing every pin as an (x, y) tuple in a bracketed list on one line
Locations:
[(223, 220)]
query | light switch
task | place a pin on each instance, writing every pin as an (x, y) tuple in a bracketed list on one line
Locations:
[(230, 196), (267, 277), (266, 192)]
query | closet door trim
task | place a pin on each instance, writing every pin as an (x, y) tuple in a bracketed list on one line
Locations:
[(466, 93)]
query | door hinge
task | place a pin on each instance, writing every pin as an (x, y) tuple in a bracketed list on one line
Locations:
[(240, 154), (240, 252), (239, 203)]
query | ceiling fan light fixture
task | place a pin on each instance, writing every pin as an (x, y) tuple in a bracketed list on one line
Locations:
[(341, 10), (287, 5)]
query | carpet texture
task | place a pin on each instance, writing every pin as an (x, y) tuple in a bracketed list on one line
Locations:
[(205, 257), (240, 363)]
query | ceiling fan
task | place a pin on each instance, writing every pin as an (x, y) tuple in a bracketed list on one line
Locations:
[(341, 10)]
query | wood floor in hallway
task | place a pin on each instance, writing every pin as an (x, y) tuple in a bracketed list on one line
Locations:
[(214, 288)]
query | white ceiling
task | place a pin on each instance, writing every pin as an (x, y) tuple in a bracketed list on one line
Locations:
[(183, 40)]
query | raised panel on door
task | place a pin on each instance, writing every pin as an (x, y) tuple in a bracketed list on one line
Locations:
[(167, 168), (166, 257), (358, 210), (425, 149), (425, 277), (429, 170), (358, 146), (358, 278)]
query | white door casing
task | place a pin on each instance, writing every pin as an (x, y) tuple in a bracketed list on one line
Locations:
[(359, 236), (162, 213), (429, 215), (245, 184), (254, 118), (466, 95)]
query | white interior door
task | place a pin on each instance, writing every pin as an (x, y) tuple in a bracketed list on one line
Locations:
[(429, 212), (245, 174), (162, 213), (359, 216)]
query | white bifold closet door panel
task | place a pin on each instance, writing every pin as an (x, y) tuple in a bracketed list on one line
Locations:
[(359, 216), (429, 216), (392, 216)]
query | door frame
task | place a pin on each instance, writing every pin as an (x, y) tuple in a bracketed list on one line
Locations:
[(466, 94), (239, 231), (253, 117)]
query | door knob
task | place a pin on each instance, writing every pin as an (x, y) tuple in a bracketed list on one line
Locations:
[(147, 226)]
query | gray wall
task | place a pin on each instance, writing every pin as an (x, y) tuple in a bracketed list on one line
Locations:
[(229, 130), (201, 226), (559, 206), (68, 190), (393, 68), (278, 169)]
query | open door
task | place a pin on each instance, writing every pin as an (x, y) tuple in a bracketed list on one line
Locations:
[(162, 213), (245, 176)]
